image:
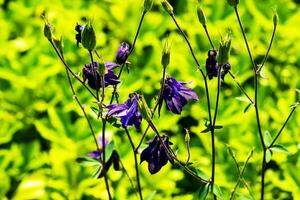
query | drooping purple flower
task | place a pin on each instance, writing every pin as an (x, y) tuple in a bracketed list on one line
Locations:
[(176, 95), (212, 64), (225, 69), (128, 112), (109, 78), (122, 53), (114, 158), (156, 155), (78, 29)]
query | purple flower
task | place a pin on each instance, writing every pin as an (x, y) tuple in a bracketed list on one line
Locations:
[(109, 78), (122, 53), (156, 155), (114, 158), (78, 29), (212, 64), (128, 112), (225, 70), (176, 95)]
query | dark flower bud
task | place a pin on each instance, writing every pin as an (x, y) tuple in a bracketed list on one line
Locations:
[(201, 16), (275, 18), (212, 64), (122, 53), (167, 6), (156, 155), (88, 37), (225, 69), (48, 31), (165, 59), (148, 5), (78, 29), (233, 3)]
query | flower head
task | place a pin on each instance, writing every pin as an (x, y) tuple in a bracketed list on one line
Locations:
[(177, 95), (225, 70), (128, 112), (78, 29), (212, 64), (122, 53), (95, 82), (156, 155)]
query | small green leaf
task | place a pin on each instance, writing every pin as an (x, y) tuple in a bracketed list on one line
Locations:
[(203, 191), (279, 148), (267, 138), (114, 122), (242, 196), (218, 192), (243, 99), (95, 110), (108, 150), (151, 195), (295, 104), (268, 155), (248, 107), (201, 174)]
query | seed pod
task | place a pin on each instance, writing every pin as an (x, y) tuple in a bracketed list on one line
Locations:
[(275, 18), (148, 5), (144, 109), (88, 37), (201, 16), (165, 59), (224, 50), (167, 6), (48, 31), (58, 44)]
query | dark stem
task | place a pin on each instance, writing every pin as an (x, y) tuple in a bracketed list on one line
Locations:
[(205, 82), (255, 105), (208, 36), (286, 121), (269, 48), (70, 70), (131, 50), (160, 96), (95, 76), (172, 155), (135, 162)]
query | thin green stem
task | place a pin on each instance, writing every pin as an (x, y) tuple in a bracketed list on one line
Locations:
[(269, 48), (208, 36), (135, 162), (131, 50), (279, 132), (160, 96), (70, 70)]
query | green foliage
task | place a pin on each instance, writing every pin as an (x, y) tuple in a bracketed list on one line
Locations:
[(43, 131)]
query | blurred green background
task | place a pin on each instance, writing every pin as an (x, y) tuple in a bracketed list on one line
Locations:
[(42, 129)]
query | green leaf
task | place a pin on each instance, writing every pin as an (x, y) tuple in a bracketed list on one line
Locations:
[(203, 191), (279, 148), (88, 161), (151, 195), (218, 192), (268, 155), (295, 104), (95, 110), (267, 138), (201, 174), (114, 122), (248, 107), (108, 150), (243, 99), (242, 196)]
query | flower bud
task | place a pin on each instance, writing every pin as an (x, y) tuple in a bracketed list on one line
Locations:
[(201, 16), (148, 5), (102, 69), (48, 31), (122, 53), (224, 50), (275, 18), (165, 59), (88, 37), (233, 3), (143, 107), (167, 6)]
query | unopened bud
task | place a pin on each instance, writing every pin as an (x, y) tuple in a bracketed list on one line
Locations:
[(187, 136), (165, 59), (148, 5), (58, 44), (102, 69), (167, 6), (233, 3), (275, 18), (48, 31), (88, 37), (201, 16)]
